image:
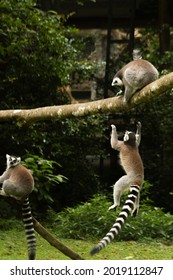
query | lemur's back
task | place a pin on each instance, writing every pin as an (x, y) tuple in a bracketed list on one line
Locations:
[(20, 176)]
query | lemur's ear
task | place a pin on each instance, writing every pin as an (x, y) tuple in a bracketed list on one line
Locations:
[(19, 159), (126, 136)]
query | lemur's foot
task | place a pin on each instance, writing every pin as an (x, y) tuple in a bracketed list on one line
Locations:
[(112, 207), (134, 213), (119, 93)]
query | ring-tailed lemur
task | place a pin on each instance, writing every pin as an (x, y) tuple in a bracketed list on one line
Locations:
[(134, 76), (130, 160), (133, 166), (17, 182)]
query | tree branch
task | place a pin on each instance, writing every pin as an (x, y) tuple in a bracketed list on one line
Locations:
[(109, 105), (54, 241)]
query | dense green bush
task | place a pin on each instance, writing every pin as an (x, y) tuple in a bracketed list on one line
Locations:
[(86, 220), (45, 177), (93, 220), (38, 53)]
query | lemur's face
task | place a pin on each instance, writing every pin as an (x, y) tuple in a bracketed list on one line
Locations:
[(117, 82), (12, 160), (129, 137)]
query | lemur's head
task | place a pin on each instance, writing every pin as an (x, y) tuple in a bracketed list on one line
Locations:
[(12, 160), (117, 82), (129, 138)]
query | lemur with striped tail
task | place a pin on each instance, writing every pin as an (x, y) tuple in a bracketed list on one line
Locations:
[(17, 182), (132, 164)]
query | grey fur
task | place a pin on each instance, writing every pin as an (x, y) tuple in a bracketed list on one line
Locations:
[(134, 76)]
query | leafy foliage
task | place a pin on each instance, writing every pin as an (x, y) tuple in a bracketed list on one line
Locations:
[(44, 177), (92, 219), (85, 220), (37, 53)]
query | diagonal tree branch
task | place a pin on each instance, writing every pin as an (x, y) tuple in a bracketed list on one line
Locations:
[(55, 242), (109, 105), (165, 83)]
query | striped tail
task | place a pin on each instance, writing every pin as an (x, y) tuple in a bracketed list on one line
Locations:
[(29, 229), (125, 212)]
